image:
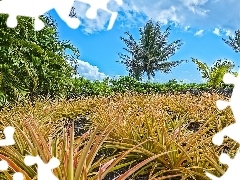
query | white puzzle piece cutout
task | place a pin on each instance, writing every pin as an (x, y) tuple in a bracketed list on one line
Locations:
[(231, 131), (8, 141), (35, 8), (8, 133), (44, 170), (3, 165)]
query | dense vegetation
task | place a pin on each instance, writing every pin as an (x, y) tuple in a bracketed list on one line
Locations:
[(157, 136), (34, 63)]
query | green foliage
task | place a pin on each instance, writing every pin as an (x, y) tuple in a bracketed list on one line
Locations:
[(100, 88), (150, 53), (234, 42), (85, 87), (33, 63), (214, 75), (81, 86), (123, 84)]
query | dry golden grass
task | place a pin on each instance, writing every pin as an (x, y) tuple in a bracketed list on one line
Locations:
[(182, 124)]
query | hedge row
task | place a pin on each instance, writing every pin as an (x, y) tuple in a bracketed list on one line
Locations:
[(85, 87)]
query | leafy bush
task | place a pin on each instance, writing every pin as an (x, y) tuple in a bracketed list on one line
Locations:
[(124, 84), (33, 63), (214, 75)]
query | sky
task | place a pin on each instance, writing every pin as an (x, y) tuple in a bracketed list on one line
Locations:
[(200, 24)]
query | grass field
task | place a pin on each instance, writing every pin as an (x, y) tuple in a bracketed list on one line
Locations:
[(174, 130)]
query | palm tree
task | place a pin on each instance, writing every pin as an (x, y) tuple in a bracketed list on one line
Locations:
[(214, 75), (150, 53)]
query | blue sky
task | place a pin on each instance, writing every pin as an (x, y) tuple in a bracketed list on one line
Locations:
[(200, 24)]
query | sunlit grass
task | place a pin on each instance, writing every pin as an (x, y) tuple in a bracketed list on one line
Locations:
[(177, 129)]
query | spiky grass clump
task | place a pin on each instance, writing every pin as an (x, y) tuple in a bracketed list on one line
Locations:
[(173, 132)]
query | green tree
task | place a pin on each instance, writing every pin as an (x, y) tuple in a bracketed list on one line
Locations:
[(234, 42), (214, 75), (150, 53), (34, 63)]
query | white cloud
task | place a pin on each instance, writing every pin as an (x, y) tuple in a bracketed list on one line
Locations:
[(193, 2), (217, 32), (91, 25), (130, 17), (195, 6), (199, 33), (168, 14), (186, 28), (229, 32), (89, 72), (198, 14)]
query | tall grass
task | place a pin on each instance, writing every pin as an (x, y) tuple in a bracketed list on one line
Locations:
[(152, 136)]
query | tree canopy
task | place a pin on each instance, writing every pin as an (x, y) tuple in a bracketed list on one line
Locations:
[(150, 53), (34, 62), (234, 42)]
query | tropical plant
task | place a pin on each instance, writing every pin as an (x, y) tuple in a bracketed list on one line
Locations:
[(214, 75), (150, 53), (77, 155), (34, 63), (176, 129), (182, 125)]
